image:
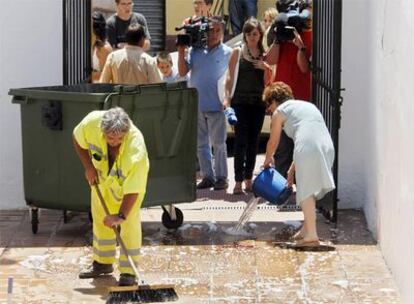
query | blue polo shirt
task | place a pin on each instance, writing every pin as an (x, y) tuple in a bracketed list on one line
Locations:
[(207, 66)]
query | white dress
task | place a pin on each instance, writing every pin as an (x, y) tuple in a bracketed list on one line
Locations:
[(314, 151)]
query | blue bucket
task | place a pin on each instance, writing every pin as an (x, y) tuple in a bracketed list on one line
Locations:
[(271, 186)]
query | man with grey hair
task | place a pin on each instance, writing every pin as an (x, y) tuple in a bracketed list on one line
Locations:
[(113, 153)]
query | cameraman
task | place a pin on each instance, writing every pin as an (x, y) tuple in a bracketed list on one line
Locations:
[(293, 63), (293, 68), (207, 65)]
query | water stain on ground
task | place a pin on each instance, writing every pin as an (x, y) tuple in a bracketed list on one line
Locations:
[(206, 264)]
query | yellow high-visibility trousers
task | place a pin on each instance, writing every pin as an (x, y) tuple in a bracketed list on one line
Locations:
[(104, 239)]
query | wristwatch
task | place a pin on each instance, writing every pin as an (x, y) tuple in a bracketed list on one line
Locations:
[(121, 215), (302, 49)]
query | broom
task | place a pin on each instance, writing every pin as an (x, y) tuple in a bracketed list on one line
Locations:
[(140, 293)]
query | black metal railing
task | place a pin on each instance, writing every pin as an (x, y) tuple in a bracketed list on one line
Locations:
[(76, 41), (326, 84)]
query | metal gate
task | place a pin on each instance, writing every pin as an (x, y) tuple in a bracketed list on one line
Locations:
[(326, 87), (154, 12), (76, 41)]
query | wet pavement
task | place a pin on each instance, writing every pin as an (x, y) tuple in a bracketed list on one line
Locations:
[(206, 264), (204, 258)]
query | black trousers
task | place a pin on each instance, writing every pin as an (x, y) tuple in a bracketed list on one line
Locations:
[(284, 154), (247, 131)]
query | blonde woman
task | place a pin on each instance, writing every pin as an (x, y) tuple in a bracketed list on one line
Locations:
[(269, 17)]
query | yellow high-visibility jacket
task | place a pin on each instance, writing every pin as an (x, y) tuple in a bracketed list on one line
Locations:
[(129, 171)]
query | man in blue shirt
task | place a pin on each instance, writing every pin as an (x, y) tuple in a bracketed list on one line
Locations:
[(207, 65)]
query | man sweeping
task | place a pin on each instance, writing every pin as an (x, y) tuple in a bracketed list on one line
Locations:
[(112, 151)]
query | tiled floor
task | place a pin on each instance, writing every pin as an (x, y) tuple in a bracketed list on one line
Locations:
[(205, 262)]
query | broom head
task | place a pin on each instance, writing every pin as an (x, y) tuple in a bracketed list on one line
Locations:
[(141, 294)]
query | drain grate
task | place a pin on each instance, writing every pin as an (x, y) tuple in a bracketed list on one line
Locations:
[(260, 207), (290, 208)]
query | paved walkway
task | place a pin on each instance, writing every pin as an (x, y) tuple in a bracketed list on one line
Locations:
[(203, 259), (206, 264)]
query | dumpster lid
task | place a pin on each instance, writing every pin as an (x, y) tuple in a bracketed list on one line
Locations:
[(88, 92), (80, 92)]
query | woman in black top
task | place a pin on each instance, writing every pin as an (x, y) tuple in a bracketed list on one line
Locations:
[(247, 100)]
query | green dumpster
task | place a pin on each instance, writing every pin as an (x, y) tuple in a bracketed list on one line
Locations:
[(53, 175)]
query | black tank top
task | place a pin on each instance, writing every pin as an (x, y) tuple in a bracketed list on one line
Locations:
[(250, 84)]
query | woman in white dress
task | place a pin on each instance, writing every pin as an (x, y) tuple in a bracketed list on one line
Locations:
[(313, 154)]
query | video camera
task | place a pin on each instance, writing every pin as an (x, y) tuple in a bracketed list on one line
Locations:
[(196, 33), (293, 14)]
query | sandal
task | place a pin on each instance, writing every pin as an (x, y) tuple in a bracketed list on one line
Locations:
[(237, 190), (248, 185), (305, 244)]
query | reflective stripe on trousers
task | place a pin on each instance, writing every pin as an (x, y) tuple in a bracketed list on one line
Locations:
[(104, 241)]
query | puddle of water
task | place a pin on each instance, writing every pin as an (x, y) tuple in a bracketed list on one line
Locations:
[(234, 232), (303, 271), (294, 224), (184, 227), (36, 262), (341, 283), (212, 226)]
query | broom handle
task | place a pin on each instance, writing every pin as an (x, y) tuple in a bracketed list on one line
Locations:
[(118, 235)]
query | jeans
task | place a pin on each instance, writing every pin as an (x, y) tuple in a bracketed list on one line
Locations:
[(212, 133), (240, 11), (246, 139)]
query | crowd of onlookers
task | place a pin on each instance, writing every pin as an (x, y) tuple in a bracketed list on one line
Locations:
[(120, 56), (266, 73)]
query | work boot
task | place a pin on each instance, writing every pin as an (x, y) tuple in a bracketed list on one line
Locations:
[(221, 184), (126, 279), (205, 183), (95, 270)]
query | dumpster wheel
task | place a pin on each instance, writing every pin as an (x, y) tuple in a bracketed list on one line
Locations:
[(172, 217)]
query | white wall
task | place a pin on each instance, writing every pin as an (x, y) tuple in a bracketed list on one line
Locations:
[(377, 136), (357, 67), (30, 55)]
